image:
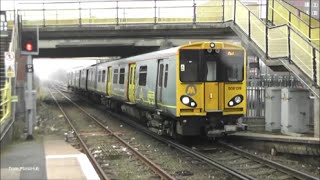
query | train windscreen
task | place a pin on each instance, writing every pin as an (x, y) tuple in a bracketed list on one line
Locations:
[(212, 65)]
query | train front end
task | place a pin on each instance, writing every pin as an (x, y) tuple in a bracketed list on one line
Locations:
[(211, 88)]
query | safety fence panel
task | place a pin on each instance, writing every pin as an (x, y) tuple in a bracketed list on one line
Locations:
[(5, 103), (210, 13), (228, 10), (242, 17), (98, 16), (278, 42), (315, 36), (280, 14), (299, 25), (301, 53), (258, 32)]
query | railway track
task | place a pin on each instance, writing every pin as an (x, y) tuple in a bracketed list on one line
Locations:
[(272, 170), (251, 164), (103, 131)]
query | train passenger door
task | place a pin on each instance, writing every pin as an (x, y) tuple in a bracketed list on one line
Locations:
[(160, 81), (132, 72), (109, 82), (211, 88)]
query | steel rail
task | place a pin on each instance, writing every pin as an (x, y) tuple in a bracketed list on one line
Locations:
[(158, 170), (100, 171), (287, 170), (184, 149)]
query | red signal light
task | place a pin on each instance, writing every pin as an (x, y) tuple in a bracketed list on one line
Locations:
[(29, 46)]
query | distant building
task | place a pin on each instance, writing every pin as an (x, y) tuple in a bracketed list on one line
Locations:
[(304, 5)]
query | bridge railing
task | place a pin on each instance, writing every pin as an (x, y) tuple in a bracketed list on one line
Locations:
[(109, 13)]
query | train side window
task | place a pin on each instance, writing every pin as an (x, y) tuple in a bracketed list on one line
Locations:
[(89, 76), (99, 76), (166, 76), (143, 75), (103, 79), (115, 76), (121, 78), (160, 75)]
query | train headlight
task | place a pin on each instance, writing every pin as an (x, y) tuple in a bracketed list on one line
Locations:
[(188, 101), (185, 100), (212, 45), (237, 99)]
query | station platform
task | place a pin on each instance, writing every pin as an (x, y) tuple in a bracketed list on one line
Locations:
[(276, 137), (48, 158)]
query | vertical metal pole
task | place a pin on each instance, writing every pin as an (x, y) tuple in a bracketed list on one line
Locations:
[(272, 12), (117, 13), (310, 19), (267, 29), (289, 45), (155, 11), (234, 11), (44, 15), (80, 14), (249, 25), (29, 97), (194, 12), (315, 78), (223, 6)]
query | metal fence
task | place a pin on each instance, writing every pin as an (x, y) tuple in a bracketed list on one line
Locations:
[(5, 105), (256, 92)]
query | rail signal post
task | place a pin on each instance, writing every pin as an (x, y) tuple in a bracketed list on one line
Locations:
[(29, 47)]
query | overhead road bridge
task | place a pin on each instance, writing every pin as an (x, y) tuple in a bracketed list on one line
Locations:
[(283, 37)]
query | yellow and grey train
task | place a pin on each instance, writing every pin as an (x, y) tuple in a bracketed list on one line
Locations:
[(190, 90)]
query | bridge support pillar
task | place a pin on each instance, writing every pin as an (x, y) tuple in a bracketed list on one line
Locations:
[(316, 109)]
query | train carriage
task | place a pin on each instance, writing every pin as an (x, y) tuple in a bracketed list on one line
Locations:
[(195, 89)]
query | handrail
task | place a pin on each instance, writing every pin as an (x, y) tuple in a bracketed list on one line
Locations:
[(291, 24), (311, 70), (272, 27), (299, 9)]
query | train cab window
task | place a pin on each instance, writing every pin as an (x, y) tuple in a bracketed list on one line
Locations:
[(166, 76), (121, 78), (189, 65), (210, 70), (115, 76), (211, 66), (103, 79), (143, 75)]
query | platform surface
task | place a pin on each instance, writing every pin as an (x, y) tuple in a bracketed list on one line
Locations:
[(276, 137), (49, 158)]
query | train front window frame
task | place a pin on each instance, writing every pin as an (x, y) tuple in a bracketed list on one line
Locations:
[(200, 65)]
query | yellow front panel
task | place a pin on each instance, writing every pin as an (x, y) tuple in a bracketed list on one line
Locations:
[(211, 96), (232, 90), (194, 91)]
